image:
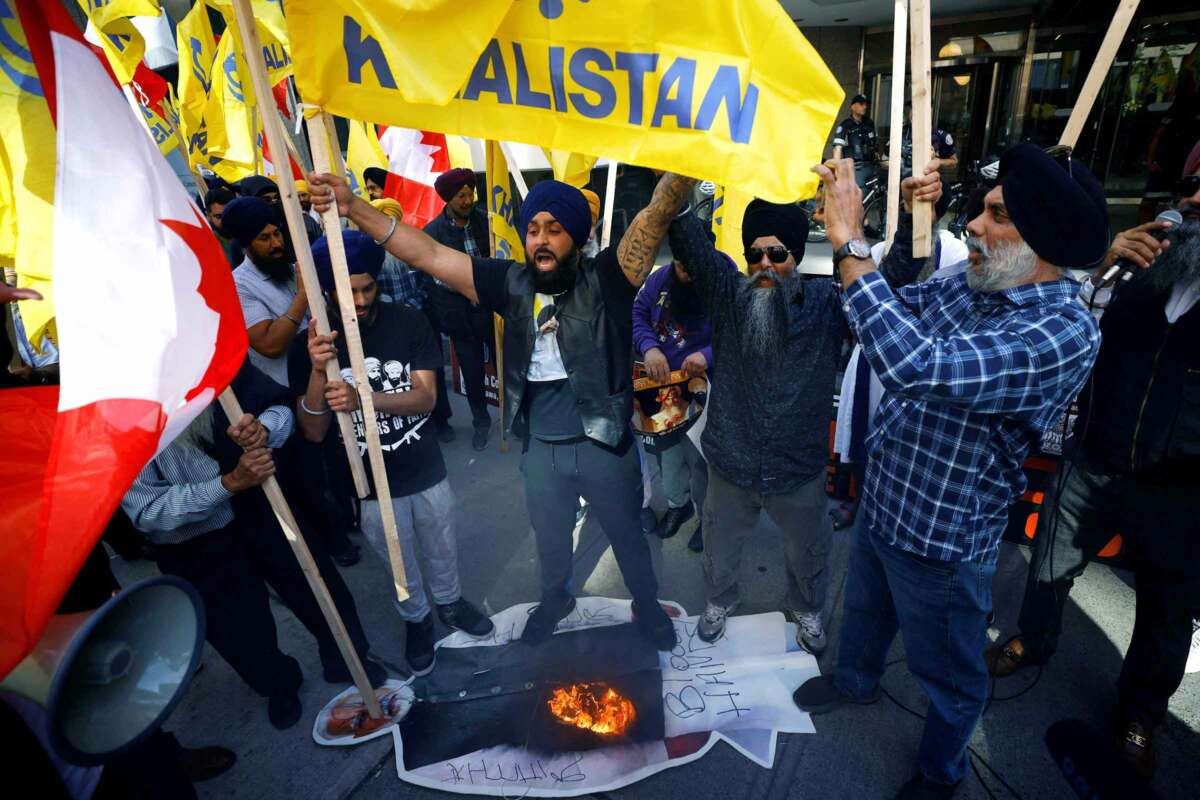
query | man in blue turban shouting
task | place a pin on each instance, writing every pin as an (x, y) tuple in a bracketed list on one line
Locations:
[(568, 343)]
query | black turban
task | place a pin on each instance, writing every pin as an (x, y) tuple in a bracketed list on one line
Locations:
[(786, 222), (245, 218), (256, 185), (1057, 206), (363, 257), (376, 176)]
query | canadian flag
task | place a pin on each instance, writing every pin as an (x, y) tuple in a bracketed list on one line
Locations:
[(415, 160), (150, 330)]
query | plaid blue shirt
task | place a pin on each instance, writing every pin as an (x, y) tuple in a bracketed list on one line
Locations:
[(972, 380), (400, 283)]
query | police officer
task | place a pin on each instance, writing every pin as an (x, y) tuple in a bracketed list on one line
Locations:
[(855, 138), (944, 154)]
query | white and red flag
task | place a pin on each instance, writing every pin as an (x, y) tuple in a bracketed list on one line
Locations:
[(150, 331), (415, 160)]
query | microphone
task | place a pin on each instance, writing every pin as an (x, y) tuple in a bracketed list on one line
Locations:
[(1091, 766), (1126, 268)]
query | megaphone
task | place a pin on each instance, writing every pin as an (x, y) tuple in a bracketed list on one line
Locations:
[(108, 678)]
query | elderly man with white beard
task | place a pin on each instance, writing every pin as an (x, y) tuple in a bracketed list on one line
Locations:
[(777, 338), (975, 368), (1135, 468)]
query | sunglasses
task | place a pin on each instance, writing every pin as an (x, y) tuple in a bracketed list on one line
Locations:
[(1188, 186), (777, 253)]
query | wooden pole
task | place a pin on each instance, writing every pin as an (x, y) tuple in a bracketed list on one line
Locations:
[(610, 196), (273, 130), (514, 169), (291, 531), (498, 326), (339, 163), (922, 123), (1100, 67), (345, 297), (899, 70)]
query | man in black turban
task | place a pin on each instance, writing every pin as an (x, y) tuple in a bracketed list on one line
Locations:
[(568, 342), (375, 180)]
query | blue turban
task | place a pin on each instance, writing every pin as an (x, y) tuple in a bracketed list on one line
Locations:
[(363, 257), (245, 218), (565, 203), (1057, 206)]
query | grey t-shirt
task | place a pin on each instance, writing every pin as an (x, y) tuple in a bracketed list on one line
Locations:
[(263, 299)]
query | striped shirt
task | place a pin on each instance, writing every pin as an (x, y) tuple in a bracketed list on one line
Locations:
[(179, 495), (972, 381)]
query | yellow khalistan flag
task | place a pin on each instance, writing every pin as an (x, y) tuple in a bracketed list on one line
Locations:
[(120, 41), (730, 92), (197, 51), (729, 206), (363, 151), (572, 168), (231, 127), (507, 241), (272, 36), (27, 167)]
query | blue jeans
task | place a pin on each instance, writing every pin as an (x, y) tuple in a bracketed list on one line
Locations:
[(941, 610)]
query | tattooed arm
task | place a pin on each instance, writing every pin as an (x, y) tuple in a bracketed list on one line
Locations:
[(639, 245)]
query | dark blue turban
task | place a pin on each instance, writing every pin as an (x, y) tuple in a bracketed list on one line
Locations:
[(363, 257), (565, 203), (1057, 206), (245, 218)]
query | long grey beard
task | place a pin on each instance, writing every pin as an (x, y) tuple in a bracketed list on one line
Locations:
[(1179, 262), (766, 316), (1003, 267)]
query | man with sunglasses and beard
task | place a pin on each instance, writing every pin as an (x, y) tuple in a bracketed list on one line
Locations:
[(776, 341), (1133, 467), (269, 288), (568, 344), (976, 369)]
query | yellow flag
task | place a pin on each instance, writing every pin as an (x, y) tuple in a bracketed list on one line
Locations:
[(272, 36), (729, 206), (507, 241), (363, 151), (729, 91), (197, 51), (231, 129), (416, 51), (572, 168), (27, 169), (121, 42)]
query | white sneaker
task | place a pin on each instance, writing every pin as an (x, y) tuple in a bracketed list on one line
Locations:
[(810, 632), (712, 622), (1193, 662)]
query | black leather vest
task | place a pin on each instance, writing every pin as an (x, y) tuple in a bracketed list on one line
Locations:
[(596, 347)]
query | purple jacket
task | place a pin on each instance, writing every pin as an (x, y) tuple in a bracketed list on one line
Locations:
[(655, 324)]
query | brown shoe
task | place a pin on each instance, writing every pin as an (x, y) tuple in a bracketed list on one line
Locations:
[(1003, 660), (1135, 744)]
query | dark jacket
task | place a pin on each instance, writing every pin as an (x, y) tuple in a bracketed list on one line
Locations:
[(451, 312), (768, 423), (659, 323), (1141, 411)]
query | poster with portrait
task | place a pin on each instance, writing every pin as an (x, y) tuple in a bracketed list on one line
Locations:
[(664, 411)]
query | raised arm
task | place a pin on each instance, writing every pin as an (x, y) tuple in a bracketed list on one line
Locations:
[(642, 238), (406, 243), (694, 249)]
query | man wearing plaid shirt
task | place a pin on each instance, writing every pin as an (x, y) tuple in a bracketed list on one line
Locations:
[(975, 368)]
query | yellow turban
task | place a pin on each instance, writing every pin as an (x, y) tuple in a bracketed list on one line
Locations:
[(593, 203), (390, 207), (302, 186)]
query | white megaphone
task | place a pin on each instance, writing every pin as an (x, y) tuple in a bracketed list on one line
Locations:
[(109, 677)]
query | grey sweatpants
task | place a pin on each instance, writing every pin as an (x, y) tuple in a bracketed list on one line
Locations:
[(730, 516), (425, 523), (684, 474)]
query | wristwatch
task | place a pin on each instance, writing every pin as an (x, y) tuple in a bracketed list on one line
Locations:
[(859, 248)]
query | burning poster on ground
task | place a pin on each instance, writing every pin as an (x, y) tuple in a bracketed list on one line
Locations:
[(663, 411), (596, 708)]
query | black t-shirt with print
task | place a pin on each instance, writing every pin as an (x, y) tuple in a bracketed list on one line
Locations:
[(397, 343)]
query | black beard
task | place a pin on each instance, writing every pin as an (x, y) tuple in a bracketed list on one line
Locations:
[(278, 270), (1179, 262), (558, 280)]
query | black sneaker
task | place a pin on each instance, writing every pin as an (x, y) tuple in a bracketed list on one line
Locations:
[(418, 646), (696, 543), (649, 520), (479, 439), (545, 618), (349, 556), (921, 788), (445, 434), (655, 625), (673, 520), (820, 696), (284, 710), (462, 616)]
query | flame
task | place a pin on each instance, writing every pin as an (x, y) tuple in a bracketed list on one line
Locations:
[(594, 707)]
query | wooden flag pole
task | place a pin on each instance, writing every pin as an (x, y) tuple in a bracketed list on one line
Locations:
[(610, 196), (291, 531), (273, 130), (497, 320), (319, 143), (1100, 67), (514, 169), (339, 163), (922, 123), (899, 69)]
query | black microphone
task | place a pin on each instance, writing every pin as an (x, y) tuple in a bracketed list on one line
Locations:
[(1091, 766), (1126, 268)]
